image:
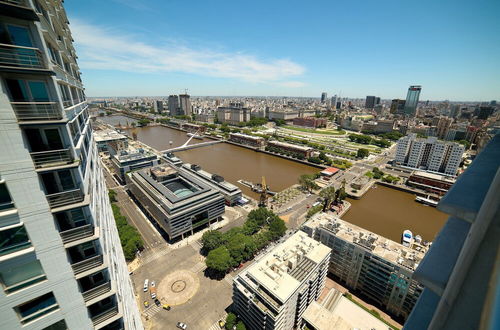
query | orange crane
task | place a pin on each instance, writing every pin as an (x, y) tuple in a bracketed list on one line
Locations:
[(263, 194)]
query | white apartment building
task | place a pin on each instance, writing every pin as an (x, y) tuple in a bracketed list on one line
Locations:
[(274, 292), (429, 154), (372, 266), (61, 262)]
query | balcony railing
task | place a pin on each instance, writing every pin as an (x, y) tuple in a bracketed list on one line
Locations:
[(97, 291), (67, 103), (29, 111), (84, 265), (65, 198), (77, 233), (44, 159), (21, 57), (15, 2), (105, 315)]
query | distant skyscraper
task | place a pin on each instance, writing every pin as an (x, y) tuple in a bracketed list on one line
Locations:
[(158, 106), (173, 105), (397, 106), (324, 95), (61, 261), (483, 112), (412, 101), (370, 102), (334, 101), (185, 104)]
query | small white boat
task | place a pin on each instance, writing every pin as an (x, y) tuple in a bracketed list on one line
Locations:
[(418, 239), (196, 136), (407, 238), (426, 201)]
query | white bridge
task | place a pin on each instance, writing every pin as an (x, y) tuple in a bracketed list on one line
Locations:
[(186, 145)]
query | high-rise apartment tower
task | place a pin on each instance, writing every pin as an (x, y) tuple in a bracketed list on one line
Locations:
[(61, 262), (411, 103)]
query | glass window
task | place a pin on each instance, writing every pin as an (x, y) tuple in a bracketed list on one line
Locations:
[(19, 35), (13, 239), (20, 276), (37, 307), (5, 199), (38, 91), (61, 325)]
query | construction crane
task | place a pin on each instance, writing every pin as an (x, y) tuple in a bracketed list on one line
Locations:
[(263, 193)]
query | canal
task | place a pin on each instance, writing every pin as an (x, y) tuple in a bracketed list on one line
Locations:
[(385, 211), (388, 212)]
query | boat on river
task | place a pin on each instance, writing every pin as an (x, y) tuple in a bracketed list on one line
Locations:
[(407, 238), (426, 201)]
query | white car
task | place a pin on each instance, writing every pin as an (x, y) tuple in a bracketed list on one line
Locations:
[(153, 284), (181, 325), (146, 285)]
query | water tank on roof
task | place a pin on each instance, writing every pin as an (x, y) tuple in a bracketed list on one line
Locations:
[(217, 178)]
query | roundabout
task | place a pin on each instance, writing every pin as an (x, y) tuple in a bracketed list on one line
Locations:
[(178, 287)]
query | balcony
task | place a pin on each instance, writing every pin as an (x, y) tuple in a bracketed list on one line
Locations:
[(65, 198), (106, 315), (77, 233), (36, 111), (97, 291), (51, 158), (18, 9), (87, 264), (20, 57)]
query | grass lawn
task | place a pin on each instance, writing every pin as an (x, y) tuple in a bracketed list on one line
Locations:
[(315, 131)]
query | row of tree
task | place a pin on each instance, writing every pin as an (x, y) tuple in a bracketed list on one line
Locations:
[(239, 244), (130, 239), (366, 139)]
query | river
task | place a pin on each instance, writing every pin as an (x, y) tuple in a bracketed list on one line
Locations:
[(382, 210)]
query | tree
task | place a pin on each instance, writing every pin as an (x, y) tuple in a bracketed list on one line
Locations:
[(314, 160), (230, 321), (328, 195), (362, 153), (211, 240), (219, 259), (323, 157), (240, 326), (112, 195), (306, 181), (277, 228)]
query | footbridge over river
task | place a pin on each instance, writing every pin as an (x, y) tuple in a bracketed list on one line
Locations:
[(192, 146)]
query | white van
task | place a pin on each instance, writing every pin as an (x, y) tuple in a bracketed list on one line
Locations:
[(146, 285)]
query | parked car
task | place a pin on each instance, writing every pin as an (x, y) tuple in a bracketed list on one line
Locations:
[(181, 325), (153, 284), (153, 292), (222, 324), (146, 304), (157, 302), (166, 307), (146, 285)]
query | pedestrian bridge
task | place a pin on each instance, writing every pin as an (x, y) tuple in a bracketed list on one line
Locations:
[(191, 146)]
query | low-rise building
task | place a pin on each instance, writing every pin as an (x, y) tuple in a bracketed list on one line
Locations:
[(234, 114), (310, 122), (371, 266), (177, 201), (231, 193), (275, 290), (193, 128), (253, 141), (288, 147), (430, 182), (109, 139), (131, 159)]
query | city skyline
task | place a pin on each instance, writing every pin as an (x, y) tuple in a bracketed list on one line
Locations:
[(343, 50)]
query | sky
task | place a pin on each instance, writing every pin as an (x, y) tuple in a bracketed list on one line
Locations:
[(300, 48)]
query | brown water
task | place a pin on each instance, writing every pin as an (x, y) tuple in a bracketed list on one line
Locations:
[(116, 120), (388, 212), (385, 211)]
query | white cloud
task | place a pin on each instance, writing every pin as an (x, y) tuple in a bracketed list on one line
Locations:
[(106, 49)]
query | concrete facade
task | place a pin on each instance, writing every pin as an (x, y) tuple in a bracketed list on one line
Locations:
[(61, 262), (274, 292)]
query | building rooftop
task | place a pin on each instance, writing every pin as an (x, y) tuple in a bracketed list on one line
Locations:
[(131, 154), (345, 316), (290, 145), (434, 176), (251, 137), (283, 269), (108, 135), (408, 257), (208, 176)]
